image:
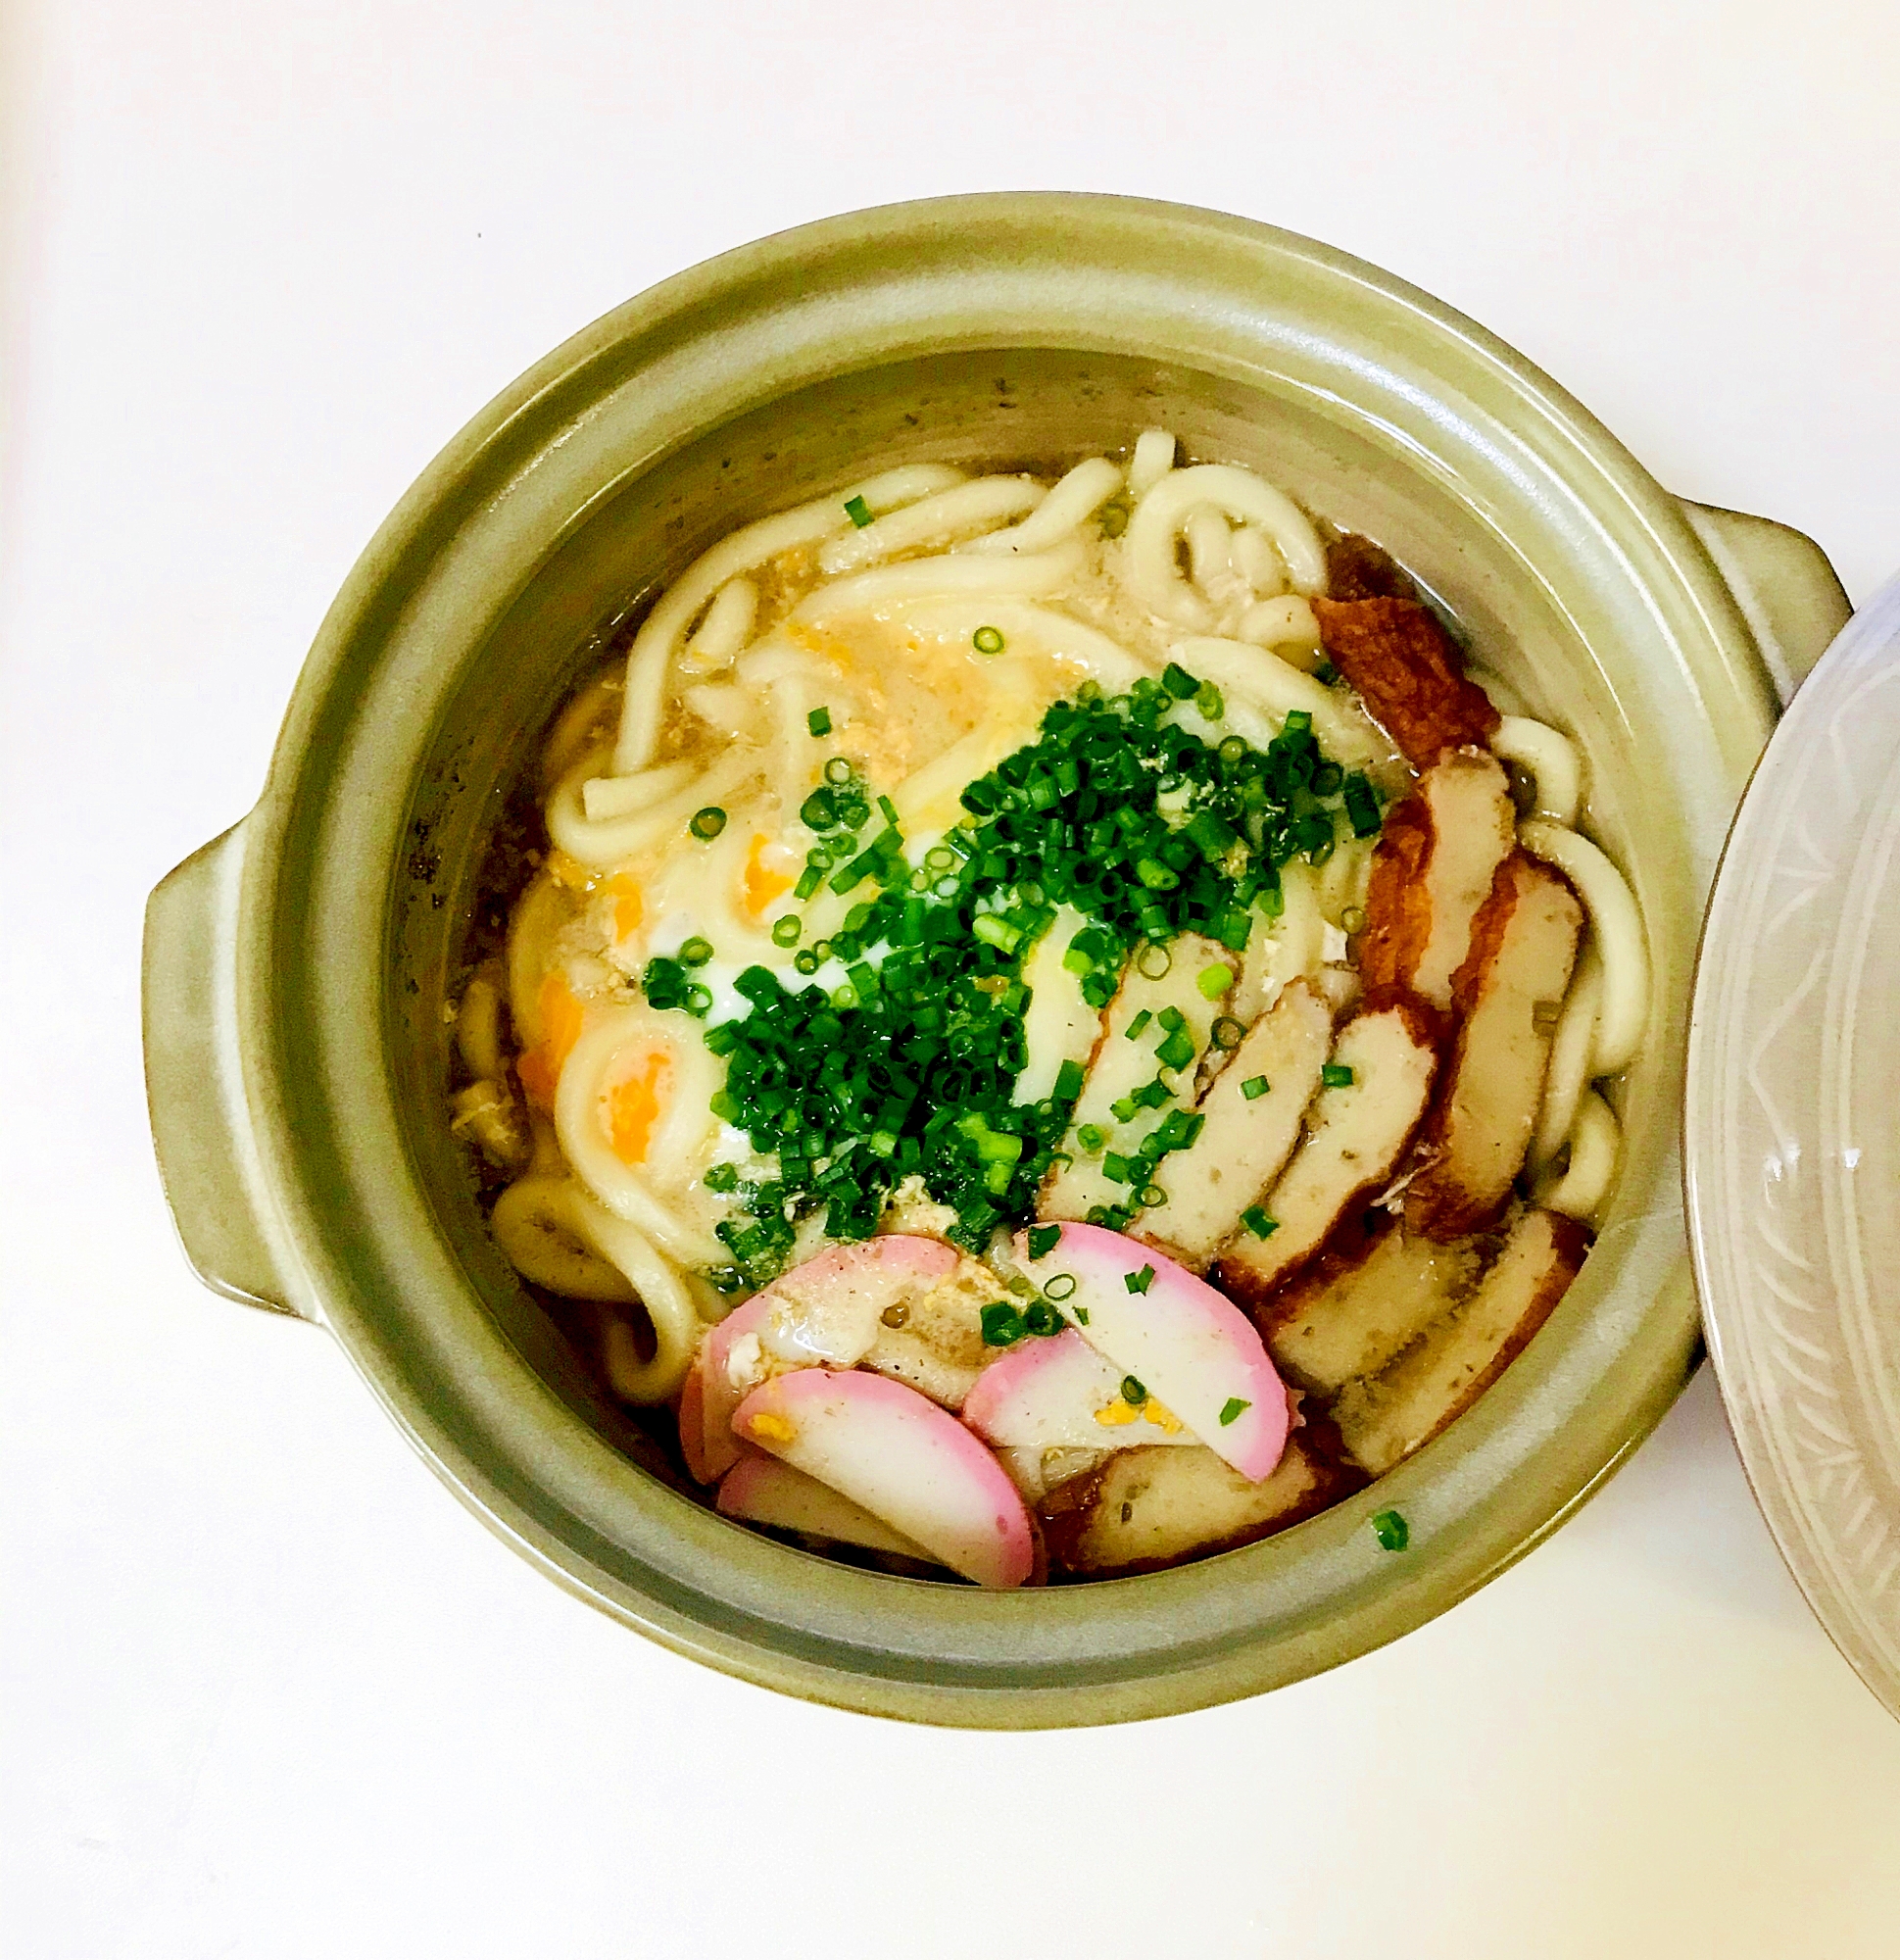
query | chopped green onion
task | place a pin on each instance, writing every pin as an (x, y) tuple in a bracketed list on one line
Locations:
[(786, 930), (1209, 702), (1255, 1087), (820, 721), (1061, 1285), (1258, 1223), (696, 952), (809, 879), (1133, 1393), (1172, 1019), (707, 823), (1153, 1194), (1039, 1317), (1179, 682), (987, 640), (1139, 1282), (1068, 1082), (1228, 1034), (1113, 519), (1133, 1031), (1233, 1409), (857, 511), (806, 961), (1214, 981), (1042, 1240), (723, 1176), (1335, 1075), (1092, 1137), (1326, 673), (1178, 1050), (1352, 919), (837, 771), (1003, 1325), (1391, 1531), (1081, 1313), (1153, 962)]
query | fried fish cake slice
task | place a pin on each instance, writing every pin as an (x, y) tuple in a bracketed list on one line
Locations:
[(1508, 993), (1432, 871), (1142, 1509), (1383, 1420), (1385, 1059), (1409, 674)]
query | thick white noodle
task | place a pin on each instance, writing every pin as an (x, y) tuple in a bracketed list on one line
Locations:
[(620, 1187), (559, 1238), (542, 1223), (1148, 562), (1569, 1071), (602, 797), (651, 660), (539, 914), (1620, 941), (1239, 671), (1287, 619), (1021, 622), (725, 708), (980, 506), (601, 845), (478, 1030), (1210, 556), (725, 629), (1549, 759), (1076, 498), (1259, 564), (928, 577), (1595, 1143), (1151, 460)]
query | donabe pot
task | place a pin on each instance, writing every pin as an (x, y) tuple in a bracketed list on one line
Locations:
[(296, 970)]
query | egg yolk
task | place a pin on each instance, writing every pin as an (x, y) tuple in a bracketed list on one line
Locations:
[(762, 883), (634, 1106), (629, 907), (562, 1015)]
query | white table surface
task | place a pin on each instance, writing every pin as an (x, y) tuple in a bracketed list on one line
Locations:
[(268, 1688)]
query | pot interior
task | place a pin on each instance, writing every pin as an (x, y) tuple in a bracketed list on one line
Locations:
[(1005, 408)]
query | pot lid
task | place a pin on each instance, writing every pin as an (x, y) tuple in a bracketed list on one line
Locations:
[(1792, 1138)]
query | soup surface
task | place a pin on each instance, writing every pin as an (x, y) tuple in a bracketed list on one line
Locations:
[(1054, 1027)]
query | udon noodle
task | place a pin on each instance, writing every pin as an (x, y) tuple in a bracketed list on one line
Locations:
[(1070, 968)]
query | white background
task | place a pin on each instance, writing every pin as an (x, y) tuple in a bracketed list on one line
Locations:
[(268, 1689)]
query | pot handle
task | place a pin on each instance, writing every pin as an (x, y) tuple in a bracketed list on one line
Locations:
[(1787, 591), (194, 1078)]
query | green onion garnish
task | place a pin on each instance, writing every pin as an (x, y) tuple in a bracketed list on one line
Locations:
[(1133, 1029), (786, 930), (1061, 1285), (857, 511), (1081, 1313), (1209, 702), (1232, 1409), (707, 822), (1039, 1317), (1133, 1393), (1255, 1087), (1391, 1531), (987, 640), (1003, 1325), (1139, 1282), (1258, 1223), (1090, 1135), (820, 721), (1042, 1240), (1335, 1075), (696, 952), (1228, 1034), (1214, 981)]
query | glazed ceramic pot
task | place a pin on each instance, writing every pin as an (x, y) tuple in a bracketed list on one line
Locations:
[(296, 968)]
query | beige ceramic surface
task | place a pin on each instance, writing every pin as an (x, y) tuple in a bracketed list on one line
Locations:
[(1793, 1138), (296, 970)]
